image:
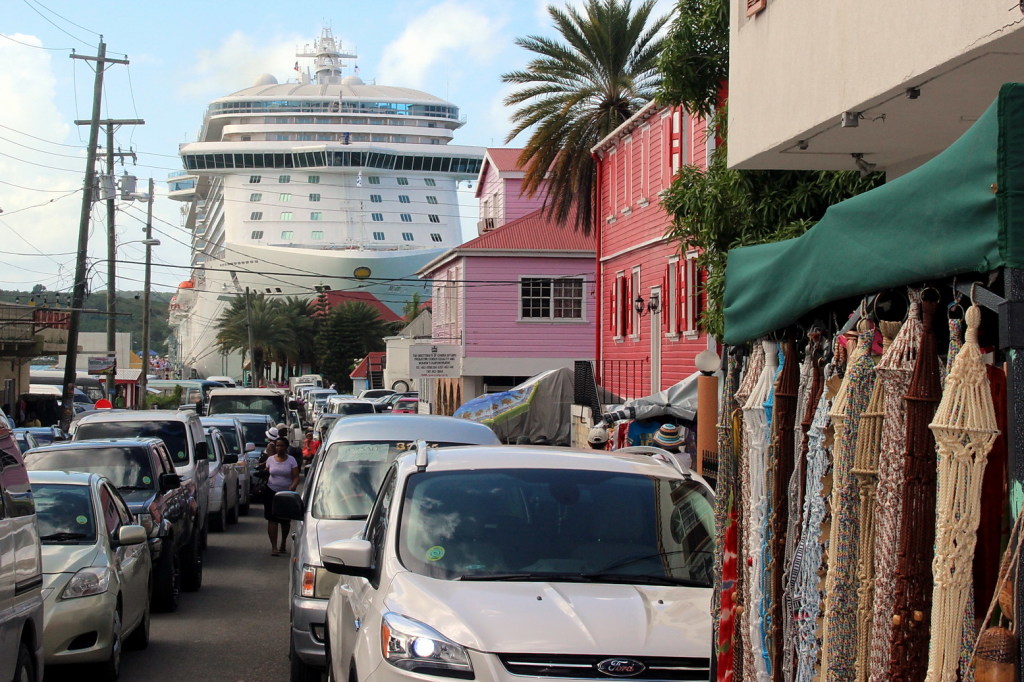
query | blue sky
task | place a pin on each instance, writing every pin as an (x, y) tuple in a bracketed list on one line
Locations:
[(184, 54)]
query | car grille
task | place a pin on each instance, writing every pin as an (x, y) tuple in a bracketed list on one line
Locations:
[(586, 667)]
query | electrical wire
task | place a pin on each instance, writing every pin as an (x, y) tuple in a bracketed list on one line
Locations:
[(38, 47), (45, 18), (25, 208)]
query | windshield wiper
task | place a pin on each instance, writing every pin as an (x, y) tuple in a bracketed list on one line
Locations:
[(131, 488), (64, 537), (644, 579)]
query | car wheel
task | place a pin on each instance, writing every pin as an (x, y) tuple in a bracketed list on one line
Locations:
[(192, 565), (219, 519), (111, 668), (139, 639), (233, 512), (167, 585), (25, 668), (300, 671)]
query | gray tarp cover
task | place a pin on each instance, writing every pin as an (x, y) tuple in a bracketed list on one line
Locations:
[(539, 409)]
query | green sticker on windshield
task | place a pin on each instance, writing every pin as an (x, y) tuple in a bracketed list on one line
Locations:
[(181, 455), (147, 480), (435, 553), (83, 519)]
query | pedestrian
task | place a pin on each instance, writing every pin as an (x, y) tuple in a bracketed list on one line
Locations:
[(282, 474), (119, 400), (597, 439), (310, 446), (668, 438)]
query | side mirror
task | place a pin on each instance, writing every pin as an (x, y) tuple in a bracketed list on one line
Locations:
[(293, 404), (352, 556), (169, 482), (202, 451), (288, 504), (250, 447), (231, 458), (131, 535)]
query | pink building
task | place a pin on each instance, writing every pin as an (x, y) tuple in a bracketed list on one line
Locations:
[(647, 333), (499, 189), (515, 301)]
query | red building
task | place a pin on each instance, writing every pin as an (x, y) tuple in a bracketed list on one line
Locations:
[(647, 333)]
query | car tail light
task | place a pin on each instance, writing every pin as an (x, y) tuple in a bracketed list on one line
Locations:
[(308, 588)]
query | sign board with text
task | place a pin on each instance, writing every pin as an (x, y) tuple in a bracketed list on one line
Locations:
[(434, 361), (102, 364)]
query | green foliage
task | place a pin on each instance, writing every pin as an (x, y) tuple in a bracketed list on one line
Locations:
[(695, 62), (412, 307), (165, 401), (574, 93), (270, 330), (346, 335)]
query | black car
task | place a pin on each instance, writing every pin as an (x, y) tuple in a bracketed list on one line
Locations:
[(144, 474)]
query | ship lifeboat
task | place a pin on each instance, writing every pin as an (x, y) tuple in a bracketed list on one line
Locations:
[(186, 294)]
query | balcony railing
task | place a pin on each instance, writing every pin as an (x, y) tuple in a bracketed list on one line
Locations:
[(626, 378)]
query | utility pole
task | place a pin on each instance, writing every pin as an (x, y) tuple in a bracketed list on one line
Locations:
[(78, 296), (248, 326), (143, 378)]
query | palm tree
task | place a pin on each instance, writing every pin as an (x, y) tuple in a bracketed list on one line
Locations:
[(575, 93), (298, 312), (349, 332), (270, 330)]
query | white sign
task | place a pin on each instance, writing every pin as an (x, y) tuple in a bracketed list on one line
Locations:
[(429, 361)]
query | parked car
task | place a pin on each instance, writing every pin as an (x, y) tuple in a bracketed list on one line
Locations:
[(96, 571), (374, 393), (266, 401), (223, 481), (25, 439), (387, 403), (182, 433), (21, 568), (142, 472), (45, 435), (406, 406), (235, 439), (315, 401), (589, 565), (255, 427), (339, 492), (354, 406)]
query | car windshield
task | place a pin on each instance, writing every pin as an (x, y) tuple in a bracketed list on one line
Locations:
[(256, 433), (172, 433), (556, 524), (270, 405), (128, 468), (353, 408), (351, 473), (64, 514), (230, 436)]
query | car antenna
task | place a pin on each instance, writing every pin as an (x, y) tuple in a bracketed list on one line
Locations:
[(421, 455)]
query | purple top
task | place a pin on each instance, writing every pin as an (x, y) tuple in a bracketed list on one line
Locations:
[(280, 473)]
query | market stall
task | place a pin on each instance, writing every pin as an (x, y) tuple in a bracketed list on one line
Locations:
[(855, 450)]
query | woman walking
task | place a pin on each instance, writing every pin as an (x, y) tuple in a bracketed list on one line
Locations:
[(283, 474)]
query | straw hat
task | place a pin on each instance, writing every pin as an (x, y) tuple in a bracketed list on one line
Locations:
[(668, 436)]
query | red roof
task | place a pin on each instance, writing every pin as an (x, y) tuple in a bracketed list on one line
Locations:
[(533, 232), (505, 159), (336, 298), (362, 370)]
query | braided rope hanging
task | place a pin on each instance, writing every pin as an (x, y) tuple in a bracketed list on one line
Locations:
[(840, 633), (726, 528), (965, 428), (865, 469), (894, 370)]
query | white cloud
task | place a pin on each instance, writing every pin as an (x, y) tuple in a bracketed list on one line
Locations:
[(451, 36), (237, 62)]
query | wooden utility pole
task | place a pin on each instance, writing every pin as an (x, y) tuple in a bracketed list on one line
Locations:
[(143, 378), (78, 295)]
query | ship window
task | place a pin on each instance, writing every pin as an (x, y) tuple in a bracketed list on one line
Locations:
[(375, 198), (435, 236), (283, 138), (285, 196), (431, 199), (374, 180), (403, 198), (318, 235), (403, 181), (253, 179), (407, 236), (434, 218), (257, 234), (316, 215), (377, 217), (398, 138), (379, 236), (286, 215), (314, 197), (256, 215), (286, 234), (378, 138), (314, 179), (430, 182), (406, 218), (256, 196), (284, 178)]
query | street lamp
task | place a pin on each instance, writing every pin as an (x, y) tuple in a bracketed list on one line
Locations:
[(150, 243)]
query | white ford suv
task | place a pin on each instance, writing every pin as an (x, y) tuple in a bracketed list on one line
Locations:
[(505, 562)]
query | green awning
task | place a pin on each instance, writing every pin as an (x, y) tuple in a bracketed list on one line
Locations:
[(957, 213)]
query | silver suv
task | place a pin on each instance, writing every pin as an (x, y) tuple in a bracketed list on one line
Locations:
[(21, 568), (339, 492), (182, 433)]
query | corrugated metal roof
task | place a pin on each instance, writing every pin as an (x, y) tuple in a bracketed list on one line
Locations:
[(336, 298), (505, 159), (533, 232)]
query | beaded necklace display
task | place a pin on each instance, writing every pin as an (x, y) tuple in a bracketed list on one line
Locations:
[(894, 371), (965, 428), (726, 527), (839, 637)]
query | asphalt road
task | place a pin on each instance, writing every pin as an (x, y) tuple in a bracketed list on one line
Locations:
[(234, 628)]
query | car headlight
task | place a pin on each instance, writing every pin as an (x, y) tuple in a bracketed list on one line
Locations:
[(414, 646), (91, 580), (317, 582)]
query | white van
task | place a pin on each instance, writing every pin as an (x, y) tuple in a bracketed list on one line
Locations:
[(21, 568)]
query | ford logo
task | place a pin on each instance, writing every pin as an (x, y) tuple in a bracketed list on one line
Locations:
[(621, 667)]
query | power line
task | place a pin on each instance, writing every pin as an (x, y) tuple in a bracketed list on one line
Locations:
[(45, 18), (38, 47)]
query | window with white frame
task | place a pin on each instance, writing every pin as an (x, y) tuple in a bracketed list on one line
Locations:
[(285, 196), (316, 215), (402, 181), (551, 298), (634, 316), (431, 199), (403, 198), (284, 178), (406, 217), (670, 308), (314, 197), (622, 306), (690, 281), (256, 215), (256, 234), (434, 218), (379, 236), (287, 234), (377, 217), (374, 179), (256, 196), (375, 199), (407, 236), (430, 182), (436, 237), (318, 235), (254, 179), (314, 179), (286, 215)]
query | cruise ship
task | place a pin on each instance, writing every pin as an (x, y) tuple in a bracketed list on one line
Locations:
[(324, 182)]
